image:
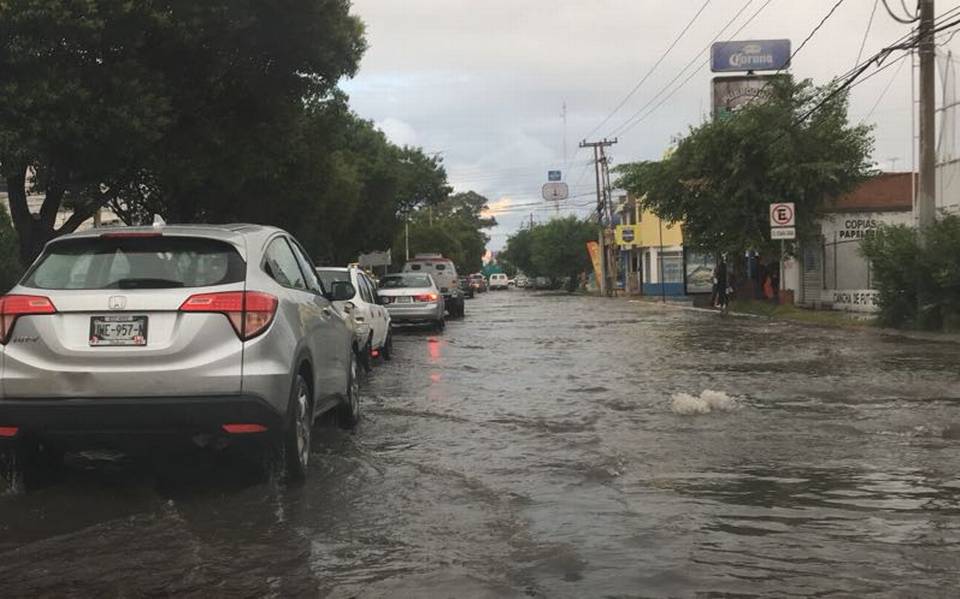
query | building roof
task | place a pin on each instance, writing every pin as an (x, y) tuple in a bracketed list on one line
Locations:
[(887, 192)]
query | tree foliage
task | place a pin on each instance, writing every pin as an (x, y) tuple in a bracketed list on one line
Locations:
[(453, 227), (918, 282), (556, 249), (797, 146), (173, 106)]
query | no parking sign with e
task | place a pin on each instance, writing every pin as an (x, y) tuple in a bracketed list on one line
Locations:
[(783, 214)]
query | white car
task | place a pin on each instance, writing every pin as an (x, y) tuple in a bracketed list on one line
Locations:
[(371, 320), (499, 281)]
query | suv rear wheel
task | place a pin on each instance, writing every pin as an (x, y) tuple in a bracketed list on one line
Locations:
[(299, 429)]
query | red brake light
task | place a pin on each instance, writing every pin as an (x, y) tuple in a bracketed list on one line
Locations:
[(15, 306), (9, 431), (131, 235), (243, 429), (426, 297), (250, 312)]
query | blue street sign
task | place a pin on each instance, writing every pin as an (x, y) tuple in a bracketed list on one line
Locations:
[(757, 55), (554, 176)]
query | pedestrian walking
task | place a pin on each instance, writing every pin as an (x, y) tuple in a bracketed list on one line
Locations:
[(722, 280)]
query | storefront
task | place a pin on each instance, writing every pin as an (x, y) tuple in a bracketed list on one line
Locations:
[(834, 272)]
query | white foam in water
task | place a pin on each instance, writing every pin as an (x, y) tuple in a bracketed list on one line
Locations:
[(709, 401)]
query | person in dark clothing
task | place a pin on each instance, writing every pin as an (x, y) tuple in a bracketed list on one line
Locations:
[(721, 282)]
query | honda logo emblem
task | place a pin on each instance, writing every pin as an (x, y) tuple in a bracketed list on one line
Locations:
[(117, 302)]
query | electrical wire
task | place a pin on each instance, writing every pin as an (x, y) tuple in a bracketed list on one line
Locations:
[(638, 117), (743, 9), (819, 26), (898, 18), (883, 94), (650, 72), (903, 3), (866, 34)]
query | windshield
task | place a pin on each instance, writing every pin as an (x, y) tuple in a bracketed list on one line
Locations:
[(136, 263), (405, 282)]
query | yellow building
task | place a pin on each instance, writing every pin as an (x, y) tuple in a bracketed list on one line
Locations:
[(651, 251)]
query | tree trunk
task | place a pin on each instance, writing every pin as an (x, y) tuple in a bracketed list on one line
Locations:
[(28, 227)]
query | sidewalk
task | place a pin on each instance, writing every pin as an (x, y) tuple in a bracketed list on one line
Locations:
[(819, 318)]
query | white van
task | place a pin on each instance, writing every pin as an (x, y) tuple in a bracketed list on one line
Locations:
[(499, 281)]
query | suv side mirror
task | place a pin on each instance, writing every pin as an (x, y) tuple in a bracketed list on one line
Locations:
[(341, 291)]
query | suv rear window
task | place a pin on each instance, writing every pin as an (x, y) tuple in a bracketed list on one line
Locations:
[(136, 263)]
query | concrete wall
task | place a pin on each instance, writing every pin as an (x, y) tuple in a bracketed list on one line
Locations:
[(848, 278)]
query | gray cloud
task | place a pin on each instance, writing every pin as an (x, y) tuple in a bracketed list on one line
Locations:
[(483, 82)]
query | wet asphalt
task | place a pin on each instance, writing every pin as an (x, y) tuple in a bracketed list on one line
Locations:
[(551, 446)]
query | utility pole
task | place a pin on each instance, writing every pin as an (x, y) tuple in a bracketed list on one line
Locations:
[(926, 197), (598, 147)]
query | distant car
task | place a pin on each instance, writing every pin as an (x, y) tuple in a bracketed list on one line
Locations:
[(469, 291), (522, 282), (498, 281), (370, 319), (542, 283), (444, 273), (211, 334), (479, 283), (413, 298)]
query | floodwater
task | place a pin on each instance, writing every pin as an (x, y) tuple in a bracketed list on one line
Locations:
[(553, 446)]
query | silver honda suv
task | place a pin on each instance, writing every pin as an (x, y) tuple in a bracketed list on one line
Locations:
[(210, 333)]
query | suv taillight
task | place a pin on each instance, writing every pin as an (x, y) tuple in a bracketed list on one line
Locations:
[(250, 312), (13, 307)]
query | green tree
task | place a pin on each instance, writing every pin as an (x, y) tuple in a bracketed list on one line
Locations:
[(560, 248), (519, 252), (453, 227), (557, 249), (918, 283), (177, 107), (797, 146)]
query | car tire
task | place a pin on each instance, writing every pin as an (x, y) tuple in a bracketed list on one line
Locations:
[(13, 468), (387, 350), (366, 356), (348, 413), (298, 431)]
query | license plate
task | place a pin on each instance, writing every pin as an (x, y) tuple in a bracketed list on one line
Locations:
[(404, 299), (118, 330)]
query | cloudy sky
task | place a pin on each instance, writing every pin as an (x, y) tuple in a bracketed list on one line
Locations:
[(484, 82)]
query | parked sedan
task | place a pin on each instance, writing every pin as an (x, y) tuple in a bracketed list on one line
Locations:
[(371, 321), (467, 288), (413, 298), (214, 334), (479, 282)]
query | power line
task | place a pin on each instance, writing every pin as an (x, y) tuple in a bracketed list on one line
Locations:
[(630, 125), (866, 34), (650, 72), (901, 61), (816, 29), (692, 61), (908, 21)]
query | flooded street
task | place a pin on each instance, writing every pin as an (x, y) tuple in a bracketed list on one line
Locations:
[(554, 446)]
